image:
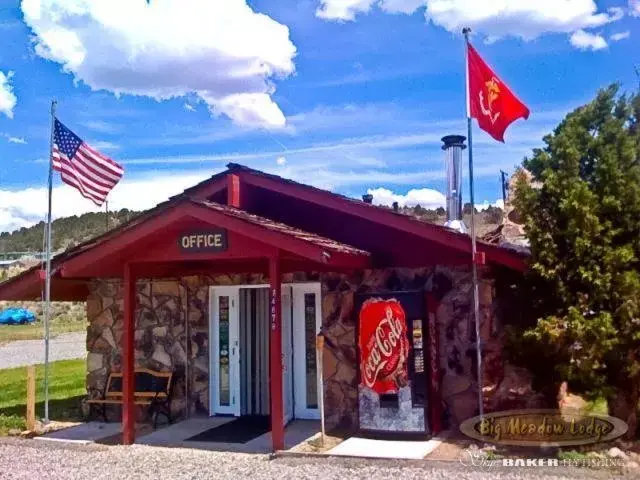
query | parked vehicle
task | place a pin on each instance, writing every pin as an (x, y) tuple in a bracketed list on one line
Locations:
[(16, 316)]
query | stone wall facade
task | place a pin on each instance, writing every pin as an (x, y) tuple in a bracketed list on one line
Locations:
[(172, 334), (451, 287)]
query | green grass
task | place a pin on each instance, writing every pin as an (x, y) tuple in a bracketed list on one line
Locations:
[(66, 389), (572, 455), (35, 331)]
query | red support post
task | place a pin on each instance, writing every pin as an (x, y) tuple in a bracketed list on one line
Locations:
[(435, 396), (233, 190), (128, 358), (275, 356)]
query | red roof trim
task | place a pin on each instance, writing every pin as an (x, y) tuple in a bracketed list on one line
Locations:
[(435, 233), (296, 241)]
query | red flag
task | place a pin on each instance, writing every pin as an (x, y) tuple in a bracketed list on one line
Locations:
[(490, 100)]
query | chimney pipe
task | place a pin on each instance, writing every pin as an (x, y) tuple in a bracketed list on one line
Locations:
[(396, 207), (453, 145), (367, 198)]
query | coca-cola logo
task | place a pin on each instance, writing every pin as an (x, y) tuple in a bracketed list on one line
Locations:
[(384, 346)]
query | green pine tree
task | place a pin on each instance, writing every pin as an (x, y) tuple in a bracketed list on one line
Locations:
[(583, 222)]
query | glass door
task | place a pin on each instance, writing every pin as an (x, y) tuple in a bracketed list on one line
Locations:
[(307, 319), (224, 376)]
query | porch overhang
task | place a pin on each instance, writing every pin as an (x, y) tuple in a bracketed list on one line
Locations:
[(151, 248)]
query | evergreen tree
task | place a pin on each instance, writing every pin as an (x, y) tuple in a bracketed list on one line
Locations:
[(583, 222)]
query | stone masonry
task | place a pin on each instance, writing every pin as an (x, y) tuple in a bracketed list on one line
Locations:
[(172, 334)]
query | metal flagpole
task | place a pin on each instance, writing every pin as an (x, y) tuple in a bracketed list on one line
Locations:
[(503, 184), (47, 287), (474, 268)]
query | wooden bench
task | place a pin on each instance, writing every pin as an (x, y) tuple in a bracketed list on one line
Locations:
[(151, 388)]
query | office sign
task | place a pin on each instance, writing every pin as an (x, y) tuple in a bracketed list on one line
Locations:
[(212, 240)]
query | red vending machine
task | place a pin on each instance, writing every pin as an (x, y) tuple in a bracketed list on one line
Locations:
[(392, 354)]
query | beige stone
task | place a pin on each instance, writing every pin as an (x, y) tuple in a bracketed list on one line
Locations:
[(144, 301), (194, 316), (107, 334), (178, 354), (160, 331), (485, 292), (178, 330), (103, 319), (94, 361), (170, 288), (346, 308), (160, 355), (100, 345), (94, 306), (201, 364)]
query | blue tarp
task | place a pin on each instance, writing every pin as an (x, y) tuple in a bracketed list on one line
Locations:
[(12, 316)]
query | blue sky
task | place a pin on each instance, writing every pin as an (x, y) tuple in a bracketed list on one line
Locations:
[(349, 95)]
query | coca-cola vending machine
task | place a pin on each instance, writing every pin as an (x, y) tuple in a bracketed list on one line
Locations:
[(392, 358)]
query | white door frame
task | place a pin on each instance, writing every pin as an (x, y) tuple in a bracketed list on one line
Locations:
[(299, 354), (233, 291), (234, 355), (287, 353)]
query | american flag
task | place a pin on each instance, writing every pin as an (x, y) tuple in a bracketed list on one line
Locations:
[(80, 166)]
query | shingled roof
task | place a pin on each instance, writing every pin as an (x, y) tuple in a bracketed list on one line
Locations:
[(318, 240)]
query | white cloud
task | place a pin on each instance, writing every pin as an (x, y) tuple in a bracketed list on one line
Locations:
[(616, 37), (634, 7), (343, 9), (484, 205), (19, 140), (8, 99), (425, 197), (401, 6), (588, 41), (281, 161), (103, 145), (189, 108), (101, 126), (526, 19), (23, 208), (221, 51)]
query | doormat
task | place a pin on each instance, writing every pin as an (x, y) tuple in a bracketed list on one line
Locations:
[(240, 430)]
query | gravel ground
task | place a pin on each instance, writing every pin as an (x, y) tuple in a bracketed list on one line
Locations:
[(65, 346), (29, 459)]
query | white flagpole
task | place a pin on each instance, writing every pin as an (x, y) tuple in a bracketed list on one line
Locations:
[(47, 287), (474, 268)]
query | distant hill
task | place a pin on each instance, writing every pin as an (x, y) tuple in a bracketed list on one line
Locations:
[(486, 220), (66, 232), (70, 231)]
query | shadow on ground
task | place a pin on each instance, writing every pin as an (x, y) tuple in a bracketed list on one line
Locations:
[(64, 410)]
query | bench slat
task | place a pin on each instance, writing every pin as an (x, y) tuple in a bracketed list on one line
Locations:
[(119, 402)]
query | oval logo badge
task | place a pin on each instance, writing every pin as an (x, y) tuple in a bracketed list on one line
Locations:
[(541, 427)]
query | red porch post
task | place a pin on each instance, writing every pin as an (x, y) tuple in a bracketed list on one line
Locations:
[(275, 357), (128, 358), (435, 397)]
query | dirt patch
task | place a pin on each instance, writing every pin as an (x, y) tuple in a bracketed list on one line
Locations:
[(316, 444), (450, 449)]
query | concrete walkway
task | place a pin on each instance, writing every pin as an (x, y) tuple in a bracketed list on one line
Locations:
[(176, 435)]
